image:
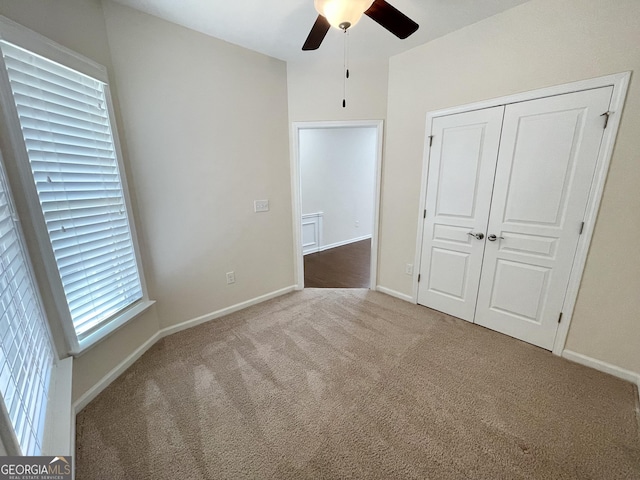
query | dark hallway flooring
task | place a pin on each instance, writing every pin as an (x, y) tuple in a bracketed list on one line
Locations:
[(341, 267)]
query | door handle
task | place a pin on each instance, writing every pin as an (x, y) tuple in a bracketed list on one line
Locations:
[(493, 238), (479, 236)]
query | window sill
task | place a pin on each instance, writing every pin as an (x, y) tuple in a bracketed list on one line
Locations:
[(99, 335), (58, 426)]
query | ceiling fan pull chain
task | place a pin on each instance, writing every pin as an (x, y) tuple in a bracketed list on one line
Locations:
[(346, 68)]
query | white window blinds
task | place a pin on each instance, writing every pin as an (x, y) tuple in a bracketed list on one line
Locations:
[(26, 356), (67, 133)]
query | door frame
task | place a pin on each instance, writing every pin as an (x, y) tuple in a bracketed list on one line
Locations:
[(620, 84), (296, 192)]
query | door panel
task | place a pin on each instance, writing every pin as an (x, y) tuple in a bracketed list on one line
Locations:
[(449, 270), (460, 162), (460, 180), (524, 202), (548, 153), (518, 289)]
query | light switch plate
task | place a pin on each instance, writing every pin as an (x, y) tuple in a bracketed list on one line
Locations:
[(261, 205)]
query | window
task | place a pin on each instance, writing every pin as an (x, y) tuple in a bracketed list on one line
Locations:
[(26, 356), (66, 138)]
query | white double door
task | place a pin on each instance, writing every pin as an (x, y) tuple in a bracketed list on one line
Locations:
[(507, 191)]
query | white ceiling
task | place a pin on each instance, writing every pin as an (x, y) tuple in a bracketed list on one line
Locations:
[(279, 27)]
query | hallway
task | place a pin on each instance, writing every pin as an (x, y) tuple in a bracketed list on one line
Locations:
[(341, 267)]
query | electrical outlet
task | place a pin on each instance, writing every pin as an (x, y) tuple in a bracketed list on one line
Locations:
[(408, 269), (231, 278), (261, 205), (357, 223)]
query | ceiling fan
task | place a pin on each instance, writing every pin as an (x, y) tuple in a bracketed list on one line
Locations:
[(344, 14)]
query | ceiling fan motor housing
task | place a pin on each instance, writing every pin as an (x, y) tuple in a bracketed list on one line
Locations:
[(342, 14)]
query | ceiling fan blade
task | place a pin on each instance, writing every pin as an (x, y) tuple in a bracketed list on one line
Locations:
[(392, 19), (317, 34)]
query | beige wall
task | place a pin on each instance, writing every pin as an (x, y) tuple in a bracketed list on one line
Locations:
[(538, 44), (80, 26), (204, 131), (315, 90), (92, 366), (206, 128), (76, 24)]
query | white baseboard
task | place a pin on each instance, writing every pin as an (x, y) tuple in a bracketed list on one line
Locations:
[(605, 367), (393, 293), (343, 243), (114, 373), (225, 311), (309, 252)]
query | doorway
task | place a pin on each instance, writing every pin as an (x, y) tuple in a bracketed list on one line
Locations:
[(511, 191), (336, 183)]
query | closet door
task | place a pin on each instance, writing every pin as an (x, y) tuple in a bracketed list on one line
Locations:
[(460, 179), (545, 167)]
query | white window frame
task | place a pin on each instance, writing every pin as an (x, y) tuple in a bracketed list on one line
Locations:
[(57, 437), (34, 42)]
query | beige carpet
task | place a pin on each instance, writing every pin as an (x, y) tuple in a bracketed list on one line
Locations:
[(355, 384)]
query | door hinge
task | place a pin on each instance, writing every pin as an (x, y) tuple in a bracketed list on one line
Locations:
[(418, 278), (560, 317), (606, 116), (424, 215), (581, 228), (430, 140)]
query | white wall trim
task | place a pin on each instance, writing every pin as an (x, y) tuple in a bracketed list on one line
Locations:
[(119, 369), (571, 87), (375, 253), (344, 242), (620, 84), (111, 327), (605, 367), (18, 34), (296, 202), (40, 45), (114, 373), (296, 194), (393, 293), (316, 219), (224, 311), (60, 417)]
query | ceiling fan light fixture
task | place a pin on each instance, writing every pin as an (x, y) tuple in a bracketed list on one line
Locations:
[(342, 14)]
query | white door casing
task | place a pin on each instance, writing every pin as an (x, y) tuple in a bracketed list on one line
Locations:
[(296, 197), (460, 180), (548, 153), (620, 84)]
